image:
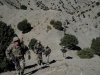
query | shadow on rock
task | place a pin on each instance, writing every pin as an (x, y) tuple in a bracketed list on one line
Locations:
[(69, 57), (53, 61), (31, 66), (32, 72), (76, 48), (28, 30), (45, 67)]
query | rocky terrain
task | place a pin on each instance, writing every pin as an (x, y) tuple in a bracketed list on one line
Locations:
[(78, 16)]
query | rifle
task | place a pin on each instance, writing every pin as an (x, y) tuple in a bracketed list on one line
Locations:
[(39, 50), (15, 61), (47, 52)]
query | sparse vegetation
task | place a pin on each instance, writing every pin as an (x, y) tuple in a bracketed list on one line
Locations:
[(52, 22), (23, 7), (73, 19), (56, 24), (95, 25), (6, 36), (95, 45), (84, 25), (78, 15), (31, 8), (67, 22), (97, 3), (83, 16), (24, 26), (28, 3), (89, 9), (48, 28), (92, 6), (32, 43), (1, 3), (59, 10), (1, 16), (69, 41), (85, 53), (41, 5), (12, 4), (98, 13), (82, 12)]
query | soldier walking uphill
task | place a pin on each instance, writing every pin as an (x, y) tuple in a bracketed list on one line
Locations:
[(16, 52), (63, 50), (47, 52), (38, 49)]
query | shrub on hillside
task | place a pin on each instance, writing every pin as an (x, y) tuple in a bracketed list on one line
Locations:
[(6, 65), (48, 28), (85, 53), (95, 45), (59, 10), (23, 7), (6, 36), (97, 3), (98, 13), (52, 22), (1, 16), (32, 43), (56, 24), (69, 41), (24, 26)]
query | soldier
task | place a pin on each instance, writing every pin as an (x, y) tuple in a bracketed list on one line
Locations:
[(47, 53), (64, 51), (16, 52), (38, 49), (64, 31)]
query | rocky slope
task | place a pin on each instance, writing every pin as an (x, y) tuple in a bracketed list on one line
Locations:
[(80, 17)]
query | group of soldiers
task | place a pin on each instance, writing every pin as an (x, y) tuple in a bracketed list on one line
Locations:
[(17, 50), (39, 50)]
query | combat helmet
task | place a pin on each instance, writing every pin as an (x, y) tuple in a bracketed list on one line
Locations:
[(15, 39)]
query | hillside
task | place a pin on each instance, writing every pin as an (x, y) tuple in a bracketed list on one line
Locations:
[(78, 16)]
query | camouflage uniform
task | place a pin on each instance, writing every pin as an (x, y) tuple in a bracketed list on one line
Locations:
[(38, 52), (47, 53), (64, 31), (18, 52), (64, 51)]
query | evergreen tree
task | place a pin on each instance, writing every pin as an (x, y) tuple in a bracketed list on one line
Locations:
[(6, 36), (69, 41), (24, 26), (32, 43), (85, 53), (95, 45)]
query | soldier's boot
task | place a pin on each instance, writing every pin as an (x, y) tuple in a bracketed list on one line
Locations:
[(22, 72), (39, 62)]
